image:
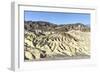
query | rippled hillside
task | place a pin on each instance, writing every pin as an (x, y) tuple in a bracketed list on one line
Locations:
[(48, 41)]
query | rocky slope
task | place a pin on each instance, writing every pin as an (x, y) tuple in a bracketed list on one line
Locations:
[(44, 40)]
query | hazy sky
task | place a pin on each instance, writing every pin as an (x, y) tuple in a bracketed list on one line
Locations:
[(57, 17)]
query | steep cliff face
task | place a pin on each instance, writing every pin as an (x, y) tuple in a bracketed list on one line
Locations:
[(41, 43)]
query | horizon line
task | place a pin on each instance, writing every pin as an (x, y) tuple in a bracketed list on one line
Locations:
[(56, 23)]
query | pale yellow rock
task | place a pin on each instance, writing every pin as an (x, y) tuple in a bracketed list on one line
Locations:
[(78, 43), (28, 55), (28, 42), (36, 53)]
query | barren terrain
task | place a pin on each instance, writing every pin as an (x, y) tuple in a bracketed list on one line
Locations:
[(52, 42)]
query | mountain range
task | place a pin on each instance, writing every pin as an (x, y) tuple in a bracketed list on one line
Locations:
[(47, 26)]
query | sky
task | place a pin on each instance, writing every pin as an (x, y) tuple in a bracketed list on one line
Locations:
[(57, 17)]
